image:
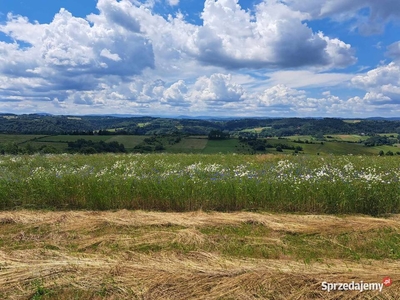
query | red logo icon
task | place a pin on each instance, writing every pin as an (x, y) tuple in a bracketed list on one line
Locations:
[(387, 281)]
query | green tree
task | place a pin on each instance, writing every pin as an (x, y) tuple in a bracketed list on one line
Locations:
[(11, 148), (218, 135), (87, 150)]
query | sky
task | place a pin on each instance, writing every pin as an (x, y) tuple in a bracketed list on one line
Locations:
[(225, 58)]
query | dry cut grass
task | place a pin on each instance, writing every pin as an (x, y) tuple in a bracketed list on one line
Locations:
[(198, 255)]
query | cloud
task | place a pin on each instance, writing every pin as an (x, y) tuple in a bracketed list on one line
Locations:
[(382, 85), (176, 94), (173, 2), (379, 12), (126, 55), (274, 36), (72, 46), (393, 51), (68, 55), (306, 78), (281, 95), (113, 56), (378, 78), (376, 98), (125, 38), (119, 13), (284, 101), (217, 90)]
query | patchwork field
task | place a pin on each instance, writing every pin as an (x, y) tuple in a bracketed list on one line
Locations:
[(195, 255), (335, 144)]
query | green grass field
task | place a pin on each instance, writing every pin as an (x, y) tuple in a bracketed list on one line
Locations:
[(129, 141), (352, 121), (223, 182), (332, 137), (299, 137), (336, 148), (18, 138), (347, 137), (221, 146), (59, 146), (72, 138), (188, 145), (255, 130)]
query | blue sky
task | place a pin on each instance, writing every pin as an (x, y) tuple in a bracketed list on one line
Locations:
[(304, 58)]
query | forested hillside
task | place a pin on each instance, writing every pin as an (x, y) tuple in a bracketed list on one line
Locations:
[(47, 124)]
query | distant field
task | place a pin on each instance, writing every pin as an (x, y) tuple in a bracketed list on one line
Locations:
[(339, 137), (129, 141), (188, 145), (143, 124), (58, 145), (72, 138), (221, 146), (335, 148), (348, 137), (18, 138), (299, 137), (10, 117), (352, 121), (115, 129), (255, 130), (345, 149), (385, 148), (389, 134)]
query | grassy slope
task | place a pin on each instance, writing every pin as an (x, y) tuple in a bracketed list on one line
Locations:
[(129, 141), (221, 146), (349, 137), (139, 255), (336, 148), (11, 138), (72, 138), (188, 145)]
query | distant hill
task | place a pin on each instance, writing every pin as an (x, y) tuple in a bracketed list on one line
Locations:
[(43, 123)]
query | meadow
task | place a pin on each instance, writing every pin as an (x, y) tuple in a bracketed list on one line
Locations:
[(190, 182), (197, 226)]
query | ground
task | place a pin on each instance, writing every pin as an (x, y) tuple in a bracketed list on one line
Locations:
[(194, 255)]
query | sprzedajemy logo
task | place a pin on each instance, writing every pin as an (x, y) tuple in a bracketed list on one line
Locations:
[(356, 286)]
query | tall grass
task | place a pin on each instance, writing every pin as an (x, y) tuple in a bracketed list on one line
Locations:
[(180, 182)]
